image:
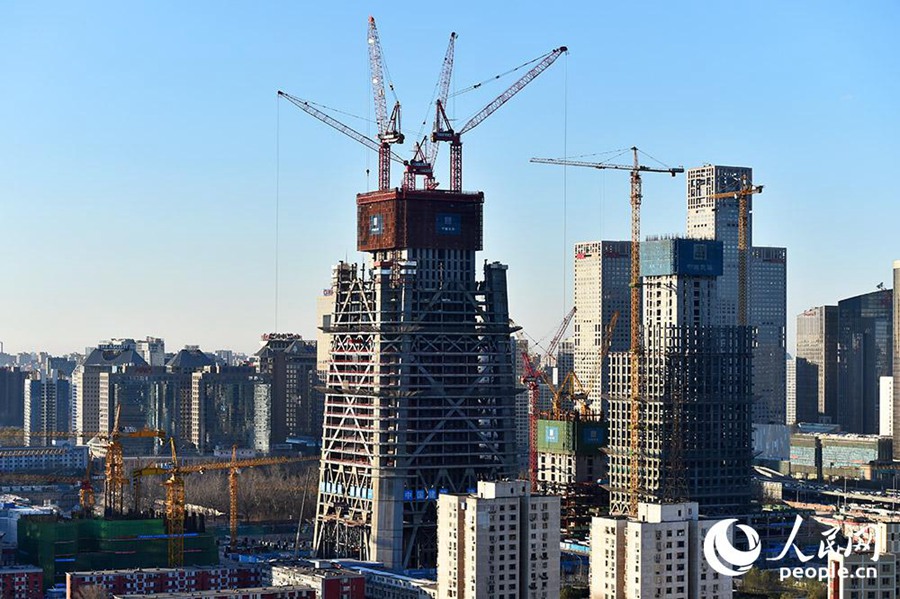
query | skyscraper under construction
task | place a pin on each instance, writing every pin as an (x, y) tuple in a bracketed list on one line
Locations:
[(420, 387)]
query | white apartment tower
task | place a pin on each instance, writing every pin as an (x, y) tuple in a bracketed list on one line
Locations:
[(657, 554), (717, 218), (602, 287), (500, 542), (896, 359)]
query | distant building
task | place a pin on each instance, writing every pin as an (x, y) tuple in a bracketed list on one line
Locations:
[(291, 364), (837, 455), (657, 554), (483, 550), (152, 350), (602, 287), (791, 390), (767, 313), (523, 400), (717, 218), (107, 357), (12, 400), (896, 328), (817, 367), (62, 457), (46, 404), (864, 354), (224, 407), (886, 406), (22, 582)]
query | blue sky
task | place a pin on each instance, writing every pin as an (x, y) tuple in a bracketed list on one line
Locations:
[(138, 148)]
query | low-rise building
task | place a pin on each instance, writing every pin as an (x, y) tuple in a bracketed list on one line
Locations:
[(22, 582), (164, 580), (61, 457), (383, 584), (289, 592), (329, 582)]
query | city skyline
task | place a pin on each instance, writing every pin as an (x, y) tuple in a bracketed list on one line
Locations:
[(140, 176)]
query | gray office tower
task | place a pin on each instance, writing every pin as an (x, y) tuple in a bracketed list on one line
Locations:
[(896, 359), (717, 218), (864, 355), (420, 396), (817, 367)]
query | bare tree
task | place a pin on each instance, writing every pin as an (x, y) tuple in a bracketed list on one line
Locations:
[(92, 592)]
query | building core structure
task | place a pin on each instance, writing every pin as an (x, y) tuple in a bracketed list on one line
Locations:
[(695, 406), (420, 391)]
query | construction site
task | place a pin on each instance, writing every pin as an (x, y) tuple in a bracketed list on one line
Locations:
[(123, 530)]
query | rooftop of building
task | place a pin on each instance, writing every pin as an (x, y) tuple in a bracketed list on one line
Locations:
[(126, 571), (20, 569), (190, 358), (251, 592), (106, 356)]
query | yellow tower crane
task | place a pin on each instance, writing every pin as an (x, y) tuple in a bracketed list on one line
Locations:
[(742, 194), (636, 350), (175, 497)]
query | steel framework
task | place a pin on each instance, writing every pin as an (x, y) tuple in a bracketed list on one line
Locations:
[(420, 398)]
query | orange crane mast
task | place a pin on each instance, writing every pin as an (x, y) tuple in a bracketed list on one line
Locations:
[(175, 497), (635, 350), (742, 194)]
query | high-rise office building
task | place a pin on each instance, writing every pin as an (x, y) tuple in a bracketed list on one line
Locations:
[(696, 391), (500, 541), (224, 403), (602, 287), (421, 383), (864, 354), (886, 406), (767, 314), (523, 399), (290, 362), (12, 399), (791, 390), (897, 360), (107, 357), (153, 350), (46, 406), (659, 553), (817, 367), (717, 218)]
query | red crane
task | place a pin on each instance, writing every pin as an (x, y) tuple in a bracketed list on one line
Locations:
[(531, 380), (443, 130)]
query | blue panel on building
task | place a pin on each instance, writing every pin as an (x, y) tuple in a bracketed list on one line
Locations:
[(686, 257), (448, 224)]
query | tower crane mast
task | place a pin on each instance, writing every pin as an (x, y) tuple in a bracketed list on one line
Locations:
[(635, 350), (742, 194), (444, 131), (388, 127)]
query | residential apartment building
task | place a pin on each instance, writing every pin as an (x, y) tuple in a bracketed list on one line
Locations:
[(658, 553), (500, 542)]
